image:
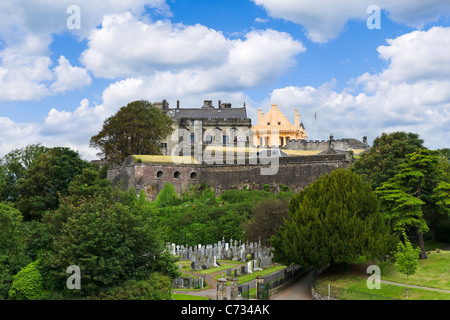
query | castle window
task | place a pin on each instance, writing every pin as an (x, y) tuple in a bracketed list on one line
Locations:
[(268, 123), (193, 175), (177, 175), (160, 175), (226, 139), (279, 123)]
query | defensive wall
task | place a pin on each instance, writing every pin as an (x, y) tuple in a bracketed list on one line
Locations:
[(294, 172), (326, 145)]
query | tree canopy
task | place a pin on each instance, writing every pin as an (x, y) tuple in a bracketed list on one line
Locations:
[(387, 152), (333, 220), (414, 193), (13, 168), (106, 232), (135, 129), (47, 179)]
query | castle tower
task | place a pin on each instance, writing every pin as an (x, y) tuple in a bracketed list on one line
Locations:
[(275, 124)]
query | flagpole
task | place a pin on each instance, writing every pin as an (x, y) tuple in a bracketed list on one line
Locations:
[(315, 125)]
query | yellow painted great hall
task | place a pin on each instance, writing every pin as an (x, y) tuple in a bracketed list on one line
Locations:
[(275, 122)]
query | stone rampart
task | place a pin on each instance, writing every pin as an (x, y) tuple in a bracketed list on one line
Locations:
[(294, 172)]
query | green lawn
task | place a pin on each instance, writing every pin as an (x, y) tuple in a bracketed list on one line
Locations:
[(351, 287), (224, 264), (251, 276), (432, 245), (433, 272), (178, 296)]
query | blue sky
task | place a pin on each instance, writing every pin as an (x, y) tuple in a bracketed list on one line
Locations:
[(57, 85)]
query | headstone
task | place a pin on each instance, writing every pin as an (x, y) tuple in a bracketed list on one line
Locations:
[(204, 267), (249, 267), (215, 262), (200, 282), (228, 272)]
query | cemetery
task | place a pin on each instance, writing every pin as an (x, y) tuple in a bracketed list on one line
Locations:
[(224, 260)]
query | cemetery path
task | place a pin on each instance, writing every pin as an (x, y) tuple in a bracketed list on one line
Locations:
[(298, 290)]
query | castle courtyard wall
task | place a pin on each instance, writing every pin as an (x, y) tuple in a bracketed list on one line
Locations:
[(294, 172)]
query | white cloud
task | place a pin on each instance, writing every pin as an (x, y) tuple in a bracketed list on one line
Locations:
[(126, 47), (197, 62), (69, 77), (48, 16), (15, 135), (404, 97), (26, 30), (60, 129), (24, 70), (261, 20), (325, 19)]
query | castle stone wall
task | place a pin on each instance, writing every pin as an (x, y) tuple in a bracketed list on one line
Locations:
[(295, 172), (325, 145)]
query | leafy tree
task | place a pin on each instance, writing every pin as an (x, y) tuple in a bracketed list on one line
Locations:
[(104, 231), (3, 189), (155, 287), (135, 129), (411, 194), (406, 258), (14, 167), (387, 152), (12, 246), (167, 196), (333, 220), (445, 153), (269, 216), (47, 179), (28, 284)]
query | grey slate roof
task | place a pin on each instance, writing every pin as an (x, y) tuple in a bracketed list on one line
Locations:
[(224, 113)]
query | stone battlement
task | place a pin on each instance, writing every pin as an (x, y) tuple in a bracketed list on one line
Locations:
[(296, 172)]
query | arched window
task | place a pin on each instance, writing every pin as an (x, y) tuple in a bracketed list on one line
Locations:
[(177, 175), (193, 175), (160, 175)]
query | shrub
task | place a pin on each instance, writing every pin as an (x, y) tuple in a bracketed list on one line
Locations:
[(156, 287), (28, 284)]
